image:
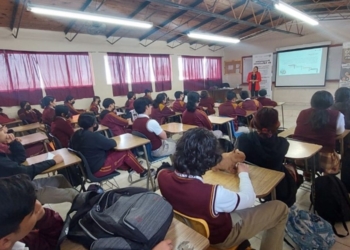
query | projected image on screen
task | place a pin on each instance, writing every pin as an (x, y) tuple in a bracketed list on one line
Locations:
[(300, 62)]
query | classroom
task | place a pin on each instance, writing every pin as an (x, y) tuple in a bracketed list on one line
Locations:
[(233, 105)]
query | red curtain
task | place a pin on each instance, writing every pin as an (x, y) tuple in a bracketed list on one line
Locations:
[(19, 79), (118, 71), (140, 72), (161, 67), (193, 72), (213, 71), (66, 74)]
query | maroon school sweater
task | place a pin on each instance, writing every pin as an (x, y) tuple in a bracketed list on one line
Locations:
[(250, 105), (48, 115), (208, 103), (231, 109), (31, 116), (179, 106), (115, 123), (267, 101), (197, 118), (161, 113), (140, 125), (63, 130)]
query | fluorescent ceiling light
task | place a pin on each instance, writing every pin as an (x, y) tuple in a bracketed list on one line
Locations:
[(71, 14), (214, 38), (291, 11)]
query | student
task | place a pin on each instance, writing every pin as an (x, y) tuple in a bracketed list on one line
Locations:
[(95, 105), (247, 103), (231, 216), (185, 95), (161, 145), (110, 119), (99, 151), (61, 126), (194, 116), (69, 102), (231, 109), (265, 149), (26, 113), (264, 100), (25, 224), (321, 125), (207, 102), (129, 104), (160, 111), (179, 104), (342, 104), (4, 118), (48, 103), (54, 189), (148, 94)]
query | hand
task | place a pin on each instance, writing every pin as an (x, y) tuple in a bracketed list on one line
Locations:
[(58, 159), (18, 139), (242, 168), (129, 121), (5, 129), (10, 138), (164, 245)]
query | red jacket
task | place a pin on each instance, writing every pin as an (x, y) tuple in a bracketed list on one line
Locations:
[(31, 116), (267, 101), (63, 130), (208, 103), (72, 110), (161, 113), (197, 118), (48, 115), (115, 123), (129, 104), (251, 105), (94, 108), (179, 106), (258, 80), (46, 232), (5, 119), (231, 109)]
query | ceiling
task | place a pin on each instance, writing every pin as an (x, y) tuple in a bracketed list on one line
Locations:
[(172, 19)]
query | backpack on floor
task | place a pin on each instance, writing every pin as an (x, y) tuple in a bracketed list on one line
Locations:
[(345, 171), (127, 218), (309, 231), (332, 201)]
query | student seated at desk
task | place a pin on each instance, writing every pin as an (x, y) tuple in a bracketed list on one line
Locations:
[(61, 126), (231, 216), (148, 94), (4, 118), (48, 103), (265, 149), (110, 119), (179, 105), (249, 104), (231, 109), (95, 105), (264, 100), (161, 145), (342, 104), (54, 189), (27, 114), (160, 111), (99, 151), (25, 224), (321, 125), (207, 102), (69, 102), (194, 116), (129, 104)]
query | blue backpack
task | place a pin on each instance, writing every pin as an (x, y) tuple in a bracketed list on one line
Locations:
[(309, 231)]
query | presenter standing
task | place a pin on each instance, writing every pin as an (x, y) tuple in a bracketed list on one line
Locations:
[(254, 79)]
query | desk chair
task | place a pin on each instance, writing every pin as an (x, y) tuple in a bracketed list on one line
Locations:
[(54, 140), (90, 178), (201, 227)]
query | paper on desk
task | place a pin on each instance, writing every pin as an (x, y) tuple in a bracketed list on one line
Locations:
[(50, 156)]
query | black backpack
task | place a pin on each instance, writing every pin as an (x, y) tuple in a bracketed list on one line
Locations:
[(127, 218), (332, 201)]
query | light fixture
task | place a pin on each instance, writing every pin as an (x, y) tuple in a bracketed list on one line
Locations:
[(215, 38), (291, 11), (71, 14)]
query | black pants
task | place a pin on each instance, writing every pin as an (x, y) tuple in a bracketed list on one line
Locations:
[(253, 92)]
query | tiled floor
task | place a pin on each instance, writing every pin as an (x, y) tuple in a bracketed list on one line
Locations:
[(291, 111)]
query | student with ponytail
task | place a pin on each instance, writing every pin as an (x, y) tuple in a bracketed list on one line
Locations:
[(160, 111)]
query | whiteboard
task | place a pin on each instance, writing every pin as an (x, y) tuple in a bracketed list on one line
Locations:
[(332, 68)]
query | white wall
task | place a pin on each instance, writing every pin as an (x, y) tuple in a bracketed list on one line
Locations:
[(335, 31), (97, 46)]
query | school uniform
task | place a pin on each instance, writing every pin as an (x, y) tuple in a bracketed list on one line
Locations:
[(129, 105), (72, 110), (208, 103), (48, 115), (250, 105), (344, 108), (31, 116), (161, 113), (148, 97), (115, 123), (62, 129), (5, 119), (95, 108), (266, 101), (179, 106), (231, 109)]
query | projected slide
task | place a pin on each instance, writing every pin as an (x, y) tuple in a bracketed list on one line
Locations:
[(300, 62)]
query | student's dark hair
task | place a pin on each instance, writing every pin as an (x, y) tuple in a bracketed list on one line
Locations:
[(178, 94), (69, 98), (159, 99), (197, 151), (147, 91), (320, 101), (22, 104), (262, 92), (17, 195), (244, 94), (87, 120), (266, 121), (61, 109), (95, 98), (342, 94), (186, 92), (130, 95), (192, 100), (230, 95), (141, 103), (106, 102), (204, 94), (45, 102)]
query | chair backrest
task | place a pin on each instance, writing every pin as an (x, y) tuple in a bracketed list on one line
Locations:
[(235, 134), (133, 114), (57, 144), (198, 225), (148, 145)]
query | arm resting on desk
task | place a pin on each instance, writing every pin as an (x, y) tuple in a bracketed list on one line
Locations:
[(18, 153)]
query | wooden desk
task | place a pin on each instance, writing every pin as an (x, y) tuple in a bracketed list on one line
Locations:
[(176, 128), (33, 138), (219, 95), (287, 133), (217, 104), (222, 120), (299, 150), (264, 180), (74, 119), (15, 122), (177, 233), (69, 159), (23, 128)]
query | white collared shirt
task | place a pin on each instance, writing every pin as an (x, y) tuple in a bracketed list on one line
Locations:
[(152, 125), (19, 246)]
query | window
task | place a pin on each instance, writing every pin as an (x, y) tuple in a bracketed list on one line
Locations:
[(161, 72)]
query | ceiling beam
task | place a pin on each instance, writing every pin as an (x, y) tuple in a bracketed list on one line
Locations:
[(205, 22), (134, 13), (309, 3), (14, 14), (71, 23), (172, 18)]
